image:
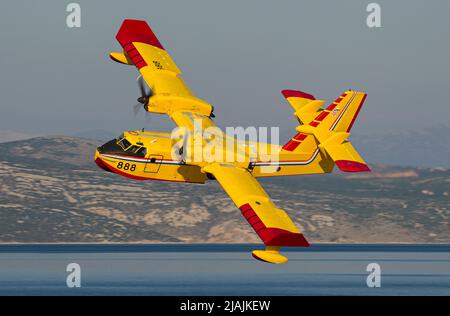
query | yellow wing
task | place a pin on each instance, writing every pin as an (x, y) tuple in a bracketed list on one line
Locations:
[(272, 224), (170, 93)]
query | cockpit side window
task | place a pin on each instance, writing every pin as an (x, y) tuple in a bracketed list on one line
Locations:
[(142, 151), (134, 149), (138, 150), (124, 143)]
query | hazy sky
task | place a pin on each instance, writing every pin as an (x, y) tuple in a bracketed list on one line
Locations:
[(237, 55)]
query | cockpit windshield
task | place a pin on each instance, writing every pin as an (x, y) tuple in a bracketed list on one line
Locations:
[(137, 150)]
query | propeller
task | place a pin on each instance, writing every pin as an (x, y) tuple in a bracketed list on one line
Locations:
[(145, 96)]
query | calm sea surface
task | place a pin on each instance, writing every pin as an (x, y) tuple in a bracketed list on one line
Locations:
[(223, 270)]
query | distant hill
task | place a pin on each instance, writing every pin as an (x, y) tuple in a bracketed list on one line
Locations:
[(52, 191), (51, 152), (96, 134), (9, 136)]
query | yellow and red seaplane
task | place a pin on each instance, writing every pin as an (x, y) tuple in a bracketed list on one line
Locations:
[(320, 143)]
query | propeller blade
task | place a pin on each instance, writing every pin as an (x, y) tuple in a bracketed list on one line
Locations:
[(143, 99), (136, 108), (141, 85)]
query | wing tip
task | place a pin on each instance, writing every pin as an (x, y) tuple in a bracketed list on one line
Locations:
[(272, 236), (297, 94), (137, 31), (283, 238)]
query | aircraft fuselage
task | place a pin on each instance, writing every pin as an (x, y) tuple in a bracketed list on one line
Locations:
[(149, 156)]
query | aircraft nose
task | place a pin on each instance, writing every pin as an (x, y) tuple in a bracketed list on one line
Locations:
[(97, 155), (103, 149), (99, 161), (100, 150), (110, 147)]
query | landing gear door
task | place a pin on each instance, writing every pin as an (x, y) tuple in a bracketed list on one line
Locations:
[(153, 163)]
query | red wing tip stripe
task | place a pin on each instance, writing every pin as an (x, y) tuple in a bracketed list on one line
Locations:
[(280, 237), (274, 236), (249, 213), (252, 217), (254, 220), (352, 166), (314, 124), (141, 65), (134, 55), (137, 58), (258, 227), (137, 31), (138, 61), (297, 94)]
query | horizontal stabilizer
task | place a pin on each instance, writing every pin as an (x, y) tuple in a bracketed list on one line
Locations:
[(305, 105), (297, 99), (343, 153), (309, 112)]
